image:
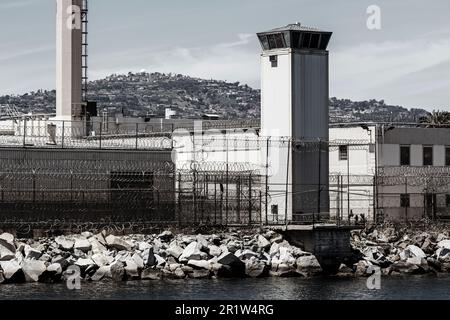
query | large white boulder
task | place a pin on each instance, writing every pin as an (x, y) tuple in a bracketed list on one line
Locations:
[(200, 264), (444, 244), (245, 254), (192, 252), (102, 259), (55, 268), (142, 246), (274, 249), (6, 254), (33, 269), (255, 268), (101, 273), (413, 252), (263, 242), (64, 243), (286, 256), (175, 251), (84, 262), (118, 244), (131, 269), (202, 242), (160, 262), (96, 246), (31, 253), (10, 268), (214, 251), (83, 245), (7, 241), (308, 265), (138, 260)]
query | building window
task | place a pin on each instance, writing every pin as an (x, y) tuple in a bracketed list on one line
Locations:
[(404, 200), (405, 155), (447, 202), (276, 41), (274, 209), (428, 156), (343, 153), (274, 61), (447, 156)]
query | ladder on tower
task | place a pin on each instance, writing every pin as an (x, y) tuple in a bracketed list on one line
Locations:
[(84, 45)]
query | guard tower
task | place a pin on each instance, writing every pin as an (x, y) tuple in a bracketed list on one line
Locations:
[(295, 105)]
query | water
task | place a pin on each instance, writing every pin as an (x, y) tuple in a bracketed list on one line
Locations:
[(417, 288)]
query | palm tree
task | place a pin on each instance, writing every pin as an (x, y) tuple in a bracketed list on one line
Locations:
[(436, 119)]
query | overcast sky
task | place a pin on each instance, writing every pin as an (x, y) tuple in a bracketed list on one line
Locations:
[(407, 62)]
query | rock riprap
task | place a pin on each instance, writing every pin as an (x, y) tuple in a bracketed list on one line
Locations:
[(103, 257)]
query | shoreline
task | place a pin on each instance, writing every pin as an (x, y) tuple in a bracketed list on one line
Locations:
[(233, 254)]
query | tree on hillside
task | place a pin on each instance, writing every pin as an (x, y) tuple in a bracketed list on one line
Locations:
[(436, 119)]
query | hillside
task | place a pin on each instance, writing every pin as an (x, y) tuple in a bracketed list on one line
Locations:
[(139, 94)]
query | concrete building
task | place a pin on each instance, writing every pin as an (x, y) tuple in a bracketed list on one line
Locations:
[(394, 172)]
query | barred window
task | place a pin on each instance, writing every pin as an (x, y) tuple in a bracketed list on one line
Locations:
[(343, 153), (405, 200), (405, 155), (428, 155)]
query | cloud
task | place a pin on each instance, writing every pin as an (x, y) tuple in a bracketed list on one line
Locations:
[(231, 61), (383, 70), (5, 56), (16, 4)]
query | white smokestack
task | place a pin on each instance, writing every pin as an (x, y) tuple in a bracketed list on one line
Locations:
[(68, 59)]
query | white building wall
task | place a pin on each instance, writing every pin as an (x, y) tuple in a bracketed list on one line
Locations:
[(361, 162), (276, 94)]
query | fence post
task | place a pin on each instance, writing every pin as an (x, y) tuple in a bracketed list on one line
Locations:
[(101, 132), (348, 180), (287, 183), (250, 200), (227, 183), (215, 201), (319, 185), (267, 182), (34, 186), (62, 135), (179, 199), (137, 135), (260, 208), (24, 132)]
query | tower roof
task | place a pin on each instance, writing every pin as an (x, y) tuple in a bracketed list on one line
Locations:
[(295, 36), (294, 27)]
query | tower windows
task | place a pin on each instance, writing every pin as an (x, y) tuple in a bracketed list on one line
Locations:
[(276, 41)]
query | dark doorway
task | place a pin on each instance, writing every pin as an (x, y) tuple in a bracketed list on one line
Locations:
[(430, 205)]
